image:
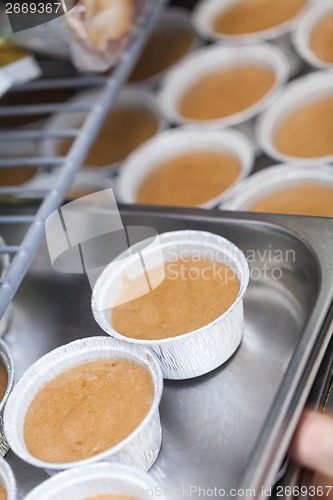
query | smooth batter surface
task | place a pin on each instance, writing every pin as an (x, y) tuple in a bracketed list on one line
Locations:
[(189, 179), (124, 130), (193, 293), (250, 16), (75, 194), (16, 176), (226, 92), (3, 494), (164, 49), (305, 199), (3, 381), (87, 410), (321, 39), (110, 497), (308, 131)]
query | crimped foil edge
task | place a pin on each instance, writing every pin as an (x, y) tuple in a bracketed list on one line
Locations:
[(93, 480), (139, 449), (200, 351), (7, 479), (8, 363), (272, 179)]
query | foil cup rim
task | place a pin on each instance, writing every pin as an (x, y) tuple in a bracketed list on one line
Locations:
[(8, 479), (182, 15), (301, 35), (244, 280), (270, 34), (264, 127), (129, 93), (192, 65), (255, 187), (93, 472), (225, 139), (7, 360), (69, 350)]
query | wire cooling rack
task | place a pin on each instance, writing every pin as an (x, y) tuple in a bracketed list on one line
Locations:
[(67, 166)]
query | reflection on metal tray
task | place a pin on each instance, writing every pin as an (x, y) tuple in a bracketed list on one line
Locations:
[(230, 428)]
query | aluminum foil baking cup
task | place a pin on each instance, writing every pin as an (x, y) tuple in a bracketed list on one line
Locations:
[(94, 480), (302, 35), (273, 179), (7, 361), (7, 480), (129, 96), (206, 11), (196, 352), (172, 19), (298, 93), (216, 57), (140, 449), (142, 162)]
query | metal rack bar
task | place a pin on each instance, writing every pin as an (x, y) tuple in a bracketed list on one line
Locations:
[(38, 109), (96, 114), (32, 161), (16, 219), (22, 191), (55, 83), (38, 134)]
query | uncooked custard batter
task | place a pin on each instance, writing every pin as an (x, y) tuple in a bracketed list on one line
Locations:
[(194, 293), (3, 494), (164, 49), (308, 131), (87, 409), (226, 92), (124, 130), (3, 381), (321, 39), (16, 176), (190, 179), (304, 199), (250, 16)]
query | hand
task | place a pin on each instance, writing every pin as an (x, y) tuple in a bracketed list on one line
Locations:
[(312, 447)]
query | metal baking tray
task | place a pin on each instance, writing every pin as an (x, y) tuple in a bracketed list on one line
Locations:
[(229, 429)]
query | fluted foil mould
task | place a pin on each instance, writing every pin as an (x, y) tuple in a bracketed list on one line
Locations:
[(129, 97), (200, 351), (148, 157), (273, 179), (302, 35), (216, 57), (173, 18), (140, 449), (7, 480), (300, 92), (94, 480), (206, 11), (7, 362)]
